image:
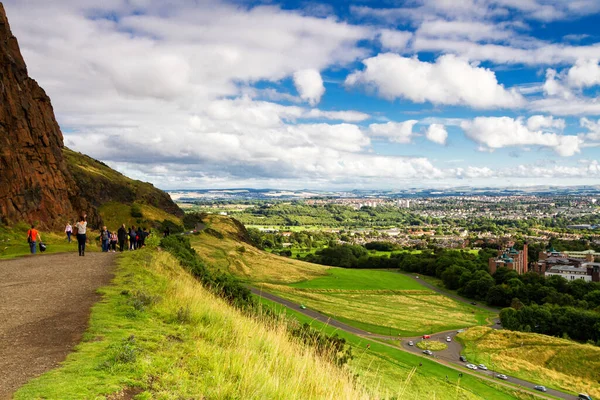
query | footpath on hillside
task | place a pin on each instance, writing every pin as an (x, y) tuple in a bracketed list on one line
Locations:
[(45, 303)]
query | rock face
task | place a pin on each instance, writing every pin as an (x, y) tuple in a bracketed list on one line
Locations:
[(36, 182)]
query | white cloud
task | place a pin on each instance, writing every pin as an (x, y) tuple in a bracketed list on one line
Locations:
[(499, 132), (399, 132), (585, 73), (536, 122), (348, 116), (437, 134), (450, 80), (393, 40), (461, 30), (593, 128), (309, 84)]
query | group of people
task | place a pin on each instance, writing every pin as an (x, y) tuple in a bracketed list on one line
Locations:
[(131, 238)]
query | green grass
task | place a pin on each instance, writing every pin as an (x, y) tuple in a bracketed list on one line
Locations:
[(362, 279), (558, 363), (13, 242), (396, 312), (158, 334), (390, 369)]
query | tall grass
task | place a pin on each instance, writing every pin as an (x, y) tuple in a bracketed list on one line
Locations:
[(186, 343)]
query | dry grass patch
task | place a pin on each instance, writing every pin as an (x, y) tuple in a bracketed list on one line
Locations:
[(432, 345), (250, 263), (555, 362)]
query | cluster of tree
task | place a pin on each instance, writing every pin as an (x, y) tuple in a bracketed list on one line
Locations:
[(345, 255), (549, 319)]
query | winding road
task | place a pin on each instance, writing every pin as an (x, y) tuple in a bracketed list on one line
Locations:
[(450, 357)]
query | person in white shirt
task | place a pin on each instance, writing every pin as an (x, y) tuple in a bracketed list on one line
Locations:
[(81, 227), (69, 231)]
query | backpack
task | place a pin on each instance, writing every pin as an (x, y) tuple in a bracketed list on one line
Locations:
[(29, 236)]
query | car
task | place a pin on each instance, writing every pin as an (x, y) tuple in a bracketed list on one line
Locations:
[(502, 376), (417, 277), (426, 336), (483, 367), (428, 352), (473, 303), (302, 306), (448, 339), (471, 366), (463, 358), (498, 323), (411, 343), (583, 396), (540, 388)]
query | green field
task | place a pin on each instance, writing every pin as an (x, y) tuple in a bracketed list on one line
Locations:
[(558, 363), (361, 279), (397, 372)]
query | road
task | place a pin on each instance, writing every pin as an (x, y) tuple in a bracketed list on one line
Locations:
[(448, 357)]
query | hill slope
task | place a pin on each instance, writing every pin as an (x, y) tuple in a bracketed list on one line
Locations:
[(42, 181)]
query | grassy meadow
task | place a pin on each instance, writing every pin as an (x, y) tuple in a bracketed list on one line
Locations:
[(159, 334), (377, 301), (558, 363)]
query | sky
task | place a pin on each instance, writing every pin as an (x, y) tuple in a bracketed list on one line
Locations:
[(341, 95)]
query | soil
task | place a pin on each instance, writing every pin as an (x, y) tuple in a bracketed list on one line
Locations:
[(45, 303)]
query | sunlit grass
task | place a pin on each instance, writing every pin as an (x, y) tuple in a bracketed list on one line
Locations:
[(553, 362)]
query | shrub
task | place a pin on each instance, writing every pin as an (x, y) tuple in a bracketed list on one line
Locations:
[(136, 211)]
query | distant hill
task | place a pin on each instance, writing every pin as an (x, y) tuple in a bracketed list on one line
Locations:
[(41, 180)]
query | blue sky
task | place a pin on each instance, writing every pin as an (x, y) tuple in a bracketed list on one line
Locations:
[(324, 95)]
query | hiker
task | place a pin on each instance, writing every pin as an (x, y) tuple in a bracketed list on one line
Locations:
[(420, 364), (113, 241), (69, 231), (166, 232), (122, 237), (132, 235), (145, 234), (105, 239), (140, 237), (81, 227), (32, 237)]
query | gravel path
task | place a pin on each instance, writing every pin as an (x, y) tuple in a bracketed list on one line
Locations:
[(45, 303)]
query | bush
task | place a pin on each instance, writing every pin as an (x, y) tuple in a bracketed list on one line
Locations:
[(136, 211), (332, 348)]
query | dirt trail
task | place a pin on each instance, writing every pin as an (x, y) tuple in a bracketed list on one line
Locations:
[(45, 303)]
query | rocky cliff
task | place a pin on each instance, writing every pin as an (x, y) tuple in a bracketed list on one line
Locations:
[(36, 181)]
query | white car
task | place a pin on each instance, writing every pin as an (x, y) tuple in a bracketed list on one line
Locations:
[(448, 339), (502, 376), (483, 367), (471, 366), (411, 343)]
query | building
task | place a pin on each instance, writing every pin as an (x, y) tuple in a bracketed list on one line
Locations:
[(588, 271), (552, 258), (510, 258)]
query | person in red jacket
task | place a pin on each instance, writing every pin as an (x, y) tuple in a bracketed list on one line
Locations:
[(32, 238)]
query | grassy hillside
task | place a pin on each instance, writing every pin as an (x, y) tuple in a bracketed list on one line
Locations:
[(114, 214), (377, 301), (100, 185), (223, 247), (159, 334), (554, 362)]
